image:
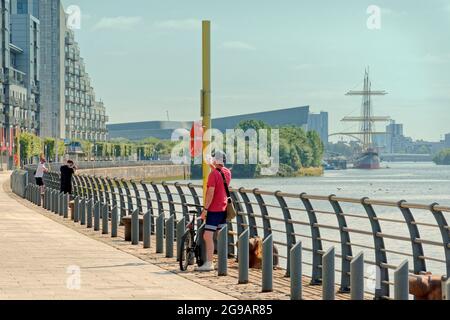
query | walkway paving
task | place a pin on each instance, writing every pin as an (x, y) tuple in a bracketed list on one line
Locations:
[(43, 259)]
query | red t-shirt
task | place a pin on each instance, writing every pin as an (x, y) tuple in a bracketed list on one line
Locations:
[(215, 180)]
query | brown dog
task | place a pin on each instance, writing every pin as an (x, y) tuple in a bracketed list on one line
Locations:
[(255, 254), (426, 287)]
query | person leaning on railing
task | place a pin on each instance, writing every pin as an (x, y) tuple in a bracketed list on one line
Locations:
[(215, 211), (67, 171)]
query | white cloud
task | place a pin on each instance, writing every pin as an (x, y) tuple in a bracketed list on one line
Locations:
[(238, 45), (185, 24), (118, 23)]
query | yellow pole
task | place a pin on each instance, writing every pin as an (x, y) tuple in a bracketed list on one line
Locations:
[(206, 98)]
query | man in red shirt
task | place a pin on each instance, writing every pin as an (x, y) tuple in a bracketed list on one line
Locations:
[(215, 212)]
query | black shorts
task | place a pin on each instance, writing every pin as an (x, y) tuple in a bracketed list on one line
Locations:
[(215, 221), (39, 181)]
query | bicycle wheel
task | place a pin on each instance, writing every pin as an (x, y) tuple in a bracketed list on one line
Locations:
[(186, 253)]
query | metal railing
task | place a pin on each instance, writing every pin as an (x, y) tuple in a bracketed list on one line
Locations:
[(370, 239)]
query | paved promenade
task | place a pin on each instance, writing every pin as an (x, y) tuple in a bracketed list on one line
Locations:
[(43, 259)]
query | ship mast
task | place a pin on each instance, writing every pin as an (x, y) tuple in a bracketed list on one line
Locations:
[(367, 119)]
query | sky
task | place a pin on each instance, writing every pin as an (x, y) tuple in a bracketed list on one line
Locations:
[(144, 58)]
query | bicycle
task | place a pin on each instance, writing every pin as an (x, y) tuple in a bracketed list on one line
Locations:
[(190, 245)]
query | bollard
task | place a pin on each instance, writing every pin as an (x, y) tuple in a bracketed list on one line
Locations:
[(181, 229), (296, 271), (169, 236), (66, 205), (114, 222), (328, 282), (147, 227), (47, 199), (38, 199), (267, 265), (61, 204), (401, 282), (50, 201), (54, 201), (447, 290), (357, 277), (243, 257), (88, 215), (135, 227), (75, 209), (97, 209), (160, 234), (82, 212), (105, 219), (222, 252)]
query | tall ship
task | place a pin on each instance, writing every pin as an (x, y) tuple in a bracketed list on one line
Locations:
[(369, 158)]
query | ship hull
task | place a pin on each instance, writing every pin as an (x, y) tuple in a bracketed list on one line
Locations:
[(368, 160)]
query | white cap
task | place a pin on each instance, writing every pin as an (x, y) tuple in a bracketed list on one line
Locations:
[(219, 157)]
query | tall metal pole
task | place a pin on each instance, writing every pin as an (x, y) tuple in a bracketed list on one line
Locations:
[(206, 98)]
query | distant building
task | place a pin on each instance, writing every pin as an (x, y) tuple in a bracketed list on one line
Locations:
[(319, 122), (447, 140), (163, 129)]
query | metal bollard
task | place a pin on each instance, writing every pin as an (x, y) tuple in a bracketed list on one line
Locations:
[(114, 222), (147, 227), (328, 275), (38, 199), (357, 277), (61, 204), (401, 282), (105, 219), (222, 252), (181, 229), (160, 233), (82, 212), (296, 271), (447, 290), (47, 198), (89, 213), (75, 209), (243, 257), (169, 236), (97, 208), (66, 206), (135, 227), (54, 201), (267, 265)]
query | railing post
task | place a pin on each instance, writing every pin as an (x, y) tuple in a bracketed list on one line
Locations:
[(328, 275), (222, 251), (417, 249), (296, 271), (83, 212), (267, 265), (75, 209), (447, 290), (380, 254), (445, 234), (243, 256), (88, 215), (147, 230), (316, 275), (357, 277), (97, 208), (401, 282), (105, 219), (114, 218), (66, 205), (181, 229), (169, 236), (289, 228), (160, 234), (148, 199), (135, 227), (266, 219), (61, 204), (346, 248)]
